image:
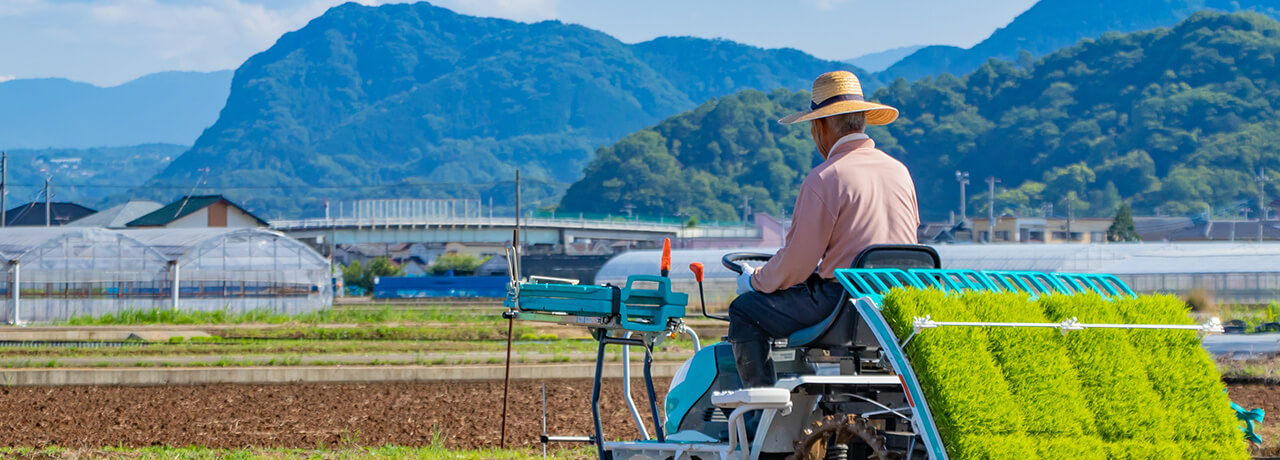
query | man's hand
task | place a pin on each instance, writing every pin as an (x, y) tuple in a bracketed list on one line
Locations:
[(744, 280)]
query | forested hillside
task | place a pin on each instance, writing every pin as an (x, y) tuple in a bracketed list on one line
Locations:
[(415, 100), (87, 176), (1050, 25), (1170, 120)]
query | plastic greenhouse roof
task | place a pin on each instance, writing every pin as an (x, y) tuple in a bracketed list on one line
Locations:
[(172, 244), (1114, 258)]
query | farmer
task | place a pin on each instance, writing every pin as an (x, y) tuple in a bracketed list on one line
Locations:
[(858, 196)]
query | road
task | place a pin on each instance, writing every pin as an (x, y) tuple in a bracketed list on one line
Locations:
[(1221, 344)]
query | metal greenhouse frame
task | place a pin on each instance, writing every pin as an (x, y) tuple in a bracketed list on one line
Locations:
[(61, 272)]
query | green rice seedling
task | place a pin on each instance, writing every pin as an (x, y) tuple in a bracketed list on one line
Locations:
[(1081, 448), (1036, 364), (965, 388), (1133, 449), (995, 447), (1115, 383), (1182, 372)]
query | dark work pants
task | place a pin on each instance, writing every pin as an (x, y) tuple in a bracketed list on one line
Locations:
[(756, 316)]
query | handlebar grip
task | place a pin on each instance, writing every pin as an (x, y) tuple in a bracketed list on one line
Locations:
[(697, 270)]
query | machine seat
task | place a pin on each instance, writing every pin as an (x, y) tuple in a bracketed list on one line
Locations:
[(839, 329), (833, 331)]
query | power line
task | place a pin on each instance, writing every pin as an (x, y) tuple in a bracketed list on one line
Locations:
[(294, 187)]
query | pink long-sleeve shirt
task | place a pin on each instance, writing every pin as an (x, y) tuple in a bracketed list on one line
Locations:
[(858, 197)]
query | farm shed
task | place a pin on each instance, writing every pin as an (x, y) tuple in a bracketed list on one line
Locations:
[(61, 272)]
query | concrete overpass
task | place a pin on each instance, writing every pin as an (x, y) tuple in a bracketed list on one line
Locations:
[(479, 229)]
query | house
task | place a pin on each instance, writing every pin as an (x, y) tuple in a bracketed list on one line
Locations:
[(32, 214), (117, 216), (1009, 229), (199, 212)]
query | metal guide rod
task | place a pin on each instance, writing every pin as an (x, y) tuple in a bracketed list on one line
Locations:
[(1213, 325), (626, 389), (506, 379), (544, 420)]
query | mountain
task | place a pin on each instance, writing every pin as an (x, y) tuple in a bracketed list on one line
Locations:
[(90, 177), (166, 107), (875, 62), (1171, 120), (704, 162), (1050, 25), (415, 100)]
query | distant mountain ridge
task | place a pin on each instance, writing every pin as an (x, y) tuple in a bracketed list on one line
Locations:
[(1050, 25), (1172, 121), (875, 62), (165, 107), (435, 103)]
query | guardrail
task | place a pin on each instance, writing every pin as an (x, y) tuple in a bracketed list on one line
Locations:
[(584, 224)]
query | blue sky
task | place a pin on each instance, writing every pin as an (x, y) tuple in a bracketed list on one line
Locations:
[(108, 42)]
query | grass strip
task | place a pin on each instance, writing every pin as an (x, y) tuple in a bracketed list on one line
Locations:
[(385, 314)]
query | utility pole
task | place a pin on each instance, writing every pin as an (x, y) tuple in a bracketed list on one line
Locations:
[(1262, 201), (963, 178), (1071, 214), (629, 209), (521, 234), (47, 201), (4, 173), (991, 209), (746, 208)]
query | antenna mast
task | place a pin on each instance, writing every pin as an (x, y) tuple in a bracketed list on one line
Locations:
[(203, 172)]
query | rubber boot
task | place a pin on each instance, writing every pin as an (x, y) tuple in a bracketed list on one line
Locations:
[(755, 368), (755, 365)]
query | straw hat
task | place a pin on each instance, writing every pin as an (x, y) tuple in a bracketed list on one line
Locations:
[(839, 92)]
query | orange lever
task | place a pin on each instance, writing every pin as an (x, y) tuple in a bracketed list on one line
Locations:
[(665, 265), (696, 268)]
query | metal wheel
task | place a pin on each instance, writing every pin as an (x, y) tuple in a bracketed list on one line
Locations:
[(829, 437)]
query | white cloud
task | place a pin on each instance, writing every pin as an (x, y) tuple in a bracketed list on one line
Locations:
[(827, 5), (123, 39), (4, 78)]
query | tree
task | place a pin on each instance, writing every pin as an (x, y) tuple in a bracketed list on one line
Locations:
[(352, 274), (1123, 228), (460, 264), (356, 274)]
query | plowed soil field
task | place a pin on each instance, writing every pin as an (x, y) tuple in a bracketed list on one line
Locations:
[(458, 414), (455, 414)]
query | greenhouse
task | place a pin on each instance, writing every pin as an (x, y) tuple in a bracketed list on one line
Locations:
[(54, 273)]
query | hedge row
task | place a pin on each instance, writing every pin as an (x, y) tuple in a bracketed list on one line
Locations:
[(1026, 393)]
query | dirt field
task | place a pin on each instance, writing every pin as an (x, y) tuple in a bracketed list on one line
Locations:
[(1266, 397), (456, 415), (461, 414)]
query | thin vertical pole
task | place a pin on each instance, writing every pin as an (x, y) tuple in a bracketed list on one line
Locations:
[(17, 291), (4, 174), (47, 201), (177, 282), (1262, 206), (506, 380), (991, 210)]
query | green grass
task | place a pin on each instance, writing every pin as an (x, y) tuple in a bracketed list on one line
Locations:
[(1036, 393), (337, 453), (385, 314), (1252, 316)]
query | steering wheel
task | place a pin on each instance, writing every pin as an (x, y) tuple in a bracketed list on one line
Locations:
[(733, 260)]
